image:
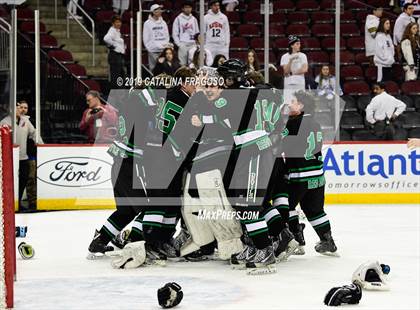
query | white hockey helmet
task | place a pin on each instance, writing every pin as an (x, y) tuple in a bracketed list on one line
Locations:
[(370, 276)]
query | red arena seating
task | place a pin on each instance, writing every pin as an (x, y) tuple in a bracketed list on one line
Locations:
[(318, 58), (48, 42), (254, 18), (257, 44), (349, 30), (248, 31), (29, 27), (104, 16), (298, 17), (371, 73), (356, 43), (282, 44), (284, 6), (300, 30), (329, 44), (278, 18), (307, 5), (277, 31), (322, 17), (349, 73), (25, 14), (61, 55), (310, 44), (238, 44), (93, 85), (356, 88), (323, 30), (76, 69), (411, 88), (392, 88)]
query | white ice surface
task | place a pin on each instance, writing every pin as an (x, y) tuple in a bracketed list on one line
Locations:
[(60, 277)]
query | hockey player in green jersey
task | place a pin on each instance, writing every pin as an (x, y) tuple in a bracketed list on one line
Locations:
[(302, 144)]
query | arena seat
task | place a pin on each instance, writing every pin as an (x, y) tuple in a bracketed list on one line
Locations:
[(363, 135), (248, 31), (48, 42), (278, 18), (318, 58), (356, 88), (282, 44), (310, 44), (350, 104), (238, 44), (353, 72), (29, 27), (411, 120), (298, 17), (257, 44), (349, 30), (329, 44), (62, 56), (277, 31), (356, 44), (363, 101), (346, 17), (253, 18), (233, 17), (78, 70), (307, 5), (411, 88), (346, 58), (323, 30), (283, 6), (322, 17), (351, 120), (301, 30), (392, 88), (93, 85), (25, 14)]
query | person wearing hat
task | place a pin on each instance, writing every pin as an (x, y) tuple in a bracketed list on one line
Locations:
[(155, 35), (216, 30), (184, 28), (402, 21), (295, 65), (371, 25)]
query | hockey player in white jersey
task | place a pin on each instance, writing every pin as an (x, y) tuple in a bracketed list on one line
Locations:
[(183, 31), (155, 35), (217, 32)]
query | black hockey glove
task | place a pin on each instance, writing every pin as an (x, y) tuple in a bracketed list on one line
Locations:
[(348, 294), (170, 295)]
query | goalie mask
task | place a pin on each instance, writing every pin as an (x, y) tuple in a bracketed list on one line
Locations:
[(371, 276)]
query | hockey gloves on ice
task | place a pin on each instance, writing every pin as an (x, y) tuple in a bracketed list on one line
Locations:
[(170, 295), (347, 294)]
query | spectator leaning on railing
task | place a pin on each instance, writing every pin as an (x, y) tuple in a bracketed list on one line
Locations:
[(371, 26), (410, 48), (382, 111), (384, 51), (24, 130), (115, 43), (184, 28), (216, 30), (402, 21), (99, 121), (155, 35)]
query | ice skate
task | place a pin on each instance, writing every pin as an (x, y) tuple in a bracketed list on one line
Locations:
[(97, 247), (238, 261), (263, 262), (299, 237), (327, 246), (154, 256), (121, 240), (286, 245)]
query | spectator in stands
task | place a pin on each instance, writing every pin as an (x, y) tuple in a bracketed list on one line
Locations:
[(252, 63), (184, 28), (384, 51), (31, 151), (120, 6), (382, 111), (295, 65), (167, 62), (218, 60), (24, 131), (217, 32), (99, 122), (155, 35), (371, 26), (116, 46), (255, 78), (208, 56), (402, 21), (72, 8), (195, 63), (410, 48), (230, 5), (326, 83)]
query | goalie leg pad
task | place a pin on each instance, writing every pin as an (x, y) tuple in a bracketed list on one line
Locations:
[(227, 231), (132, 256), (201, 234)]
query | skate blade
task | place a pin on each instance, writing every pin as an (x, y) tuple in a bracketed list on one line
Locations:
[(238, 266), (300, 250), (331, 254), (291, 248), (261, 270), (95, 256), (156, 262)]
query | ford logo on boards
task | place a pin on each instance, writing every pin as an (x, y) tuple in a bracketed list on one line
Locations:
[(74, 171)]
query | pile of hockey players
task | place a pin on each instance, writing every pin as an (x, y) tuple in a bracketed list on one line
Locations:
[(192, 155)]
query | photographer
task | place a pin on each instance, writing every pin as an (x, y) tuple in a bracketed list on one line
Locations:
[(99, 121), (382, 111)]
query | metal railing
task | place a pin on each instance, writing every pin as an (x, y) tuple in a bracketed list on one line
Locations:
[(92, 35), (5, 28)]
